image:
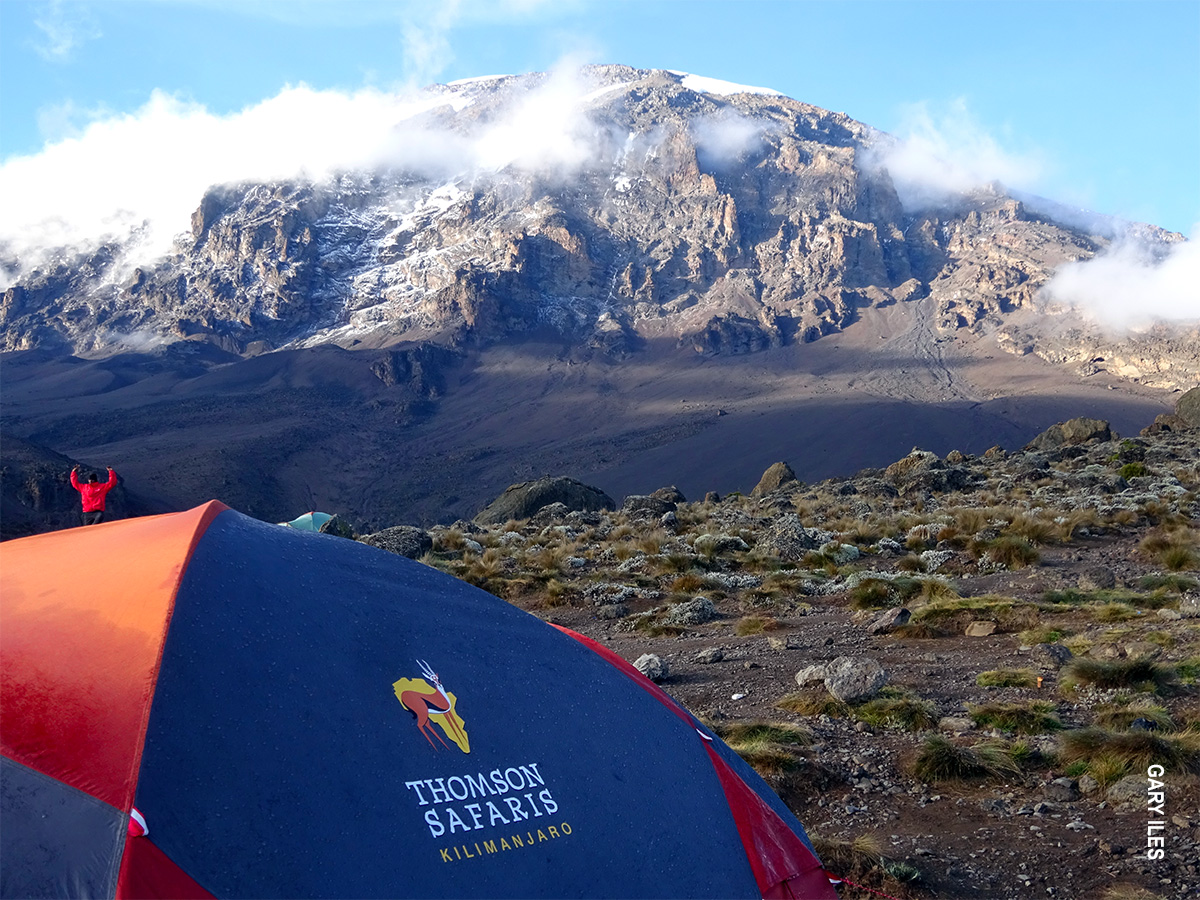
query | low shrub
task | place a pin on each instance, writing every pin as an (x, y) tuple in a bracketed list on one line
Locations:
[(1133, 470)]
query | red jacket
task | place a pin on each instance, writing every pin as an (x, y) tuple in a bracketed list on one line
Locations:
[(93, 492)]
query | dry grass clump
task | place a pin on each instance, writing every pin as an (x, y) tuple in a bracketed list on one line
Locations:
[(1180, 584), (770, 747), (862, 861), (813, 703), (1174, 548), (1135, 750), (1009, 613), (1002, 678), (1123, 890), (748, 625), (1045, 634), (1119, 718), (942, 760), (1034, 717), (1135, 674), (1009, 551), (1033, 529), (896, 708)]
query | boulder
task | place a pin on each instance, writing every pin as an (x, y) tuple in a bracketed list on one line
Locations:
[(1062, 790), (403, 540), (774, 478), (692, 612), (671, 494), (522, 501), (892, 618), (788, 539), (1187, 408), (712, 497), (850, 678), (652, 666), (1053, 655), (1071, 433), (923, 471), (338, 527), (640, 507)]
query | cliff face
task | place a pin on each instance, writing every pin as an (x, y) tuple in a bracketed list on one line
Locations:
[(727, 223)]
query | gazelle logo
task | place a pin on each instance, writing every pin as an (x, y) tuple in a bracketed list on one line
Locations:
[(431, 704)]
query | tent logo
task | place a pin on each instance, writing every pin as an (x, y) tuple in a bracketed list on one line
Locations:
[(431, 704)]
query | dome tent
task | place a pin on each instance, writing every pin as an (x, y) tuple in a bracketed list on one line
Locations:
[(296, 715)]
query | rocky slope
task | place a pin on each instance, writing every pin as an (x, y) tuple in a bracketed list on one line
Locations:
[(724, 222), (956, 669)]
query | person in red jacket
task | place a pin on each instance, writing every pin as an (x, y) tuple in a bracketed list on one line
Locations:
[(92, 493)]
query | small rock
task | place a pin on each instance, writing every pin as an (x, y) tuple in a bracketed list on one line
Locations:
[(955, 724), (788, 642), (711, 655), (652, 666), (980, 629), (1170, 614), (889, 620), (612, 611), (712, 497), (1077, 825), (809, 674), (1062, 790), (1088, 785), (1130, 789), (1096, 578)]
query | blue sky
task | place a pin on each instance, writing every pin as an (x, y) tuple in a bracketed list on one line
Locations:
[(1096, 104)]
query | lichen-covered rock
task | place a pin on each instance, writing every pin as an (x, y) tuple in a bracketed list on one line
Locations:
[(692, 612), (652, 666), (1071, 433), (777, 475), (788, 539), (403, 540), (1187, 408), (522, 501), (850, 678)]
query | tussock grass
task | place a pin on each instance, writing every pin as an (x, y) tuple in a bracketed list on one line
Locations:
[(749, 625), (1125, 891), (1179, 584), (1008, 550), (813, 703), (1035, 717), (770, 747), (1008, 613), (1001, 678), (862, 861), (1134, 674), (897, 708), (1043, 635), (1135, 749), (1119, 718), (942, 760)]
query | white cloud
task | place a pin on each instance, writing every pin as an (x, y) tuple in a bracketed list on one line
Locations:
[(940, 154), (64, 27), (148, 171), (1128, 288)]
